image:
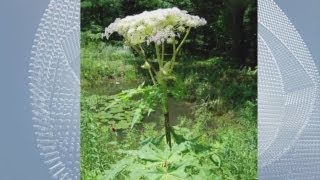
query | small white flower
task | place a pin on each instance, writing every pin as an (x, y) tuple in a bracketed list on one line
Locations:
[(181, 29), (131, 30)]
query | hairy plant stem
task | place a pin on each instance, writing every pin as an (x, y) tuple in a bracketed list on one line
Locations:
[(163, 87), (165, 110)]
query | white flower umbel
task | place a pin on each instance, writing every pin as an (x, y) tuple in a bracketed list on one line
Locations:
[(157, 26)]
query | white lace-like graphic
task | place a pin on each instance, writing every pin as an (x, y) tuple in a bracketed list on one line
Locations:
[(288, 100), (55, 88)]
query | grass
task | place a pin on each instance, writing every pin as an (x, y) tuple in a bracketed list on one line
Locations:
[(103, 67)]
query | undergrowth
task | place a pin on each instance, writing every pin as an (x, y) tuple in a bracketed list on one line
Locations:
[(117, 142)]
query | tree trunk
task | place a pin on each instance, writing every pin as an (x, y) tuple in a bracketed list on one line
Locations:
[(237, 35)]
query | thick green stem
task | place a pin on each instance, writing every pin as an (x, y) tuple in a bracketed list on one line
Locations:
[(165, 110), (163, 87), (167, 128)]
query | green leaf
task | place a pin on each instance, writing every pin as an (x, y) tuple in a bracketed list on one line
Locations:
[(137, 116), (150, 152), (122, 125), (117, 168), (216, 160), (156, 141), (177, 138)]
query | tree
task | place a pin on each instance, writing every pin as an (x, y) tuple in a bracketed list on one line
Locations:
[(236, 10)]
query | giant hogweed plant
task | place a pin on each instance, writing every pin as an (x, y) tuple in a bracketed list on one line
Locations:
[(159, 28)]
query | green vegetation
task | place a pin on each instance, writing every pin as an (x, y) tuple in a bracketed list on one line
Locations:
[(223, 120), (211, 99)]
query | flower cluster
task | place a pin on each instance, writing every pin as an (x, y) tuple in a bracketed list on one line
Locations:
[(158, 26)]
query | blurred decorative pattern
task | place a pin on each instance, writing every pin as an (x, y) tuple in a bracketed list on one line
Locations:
[(55, 88), (288, 100)]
